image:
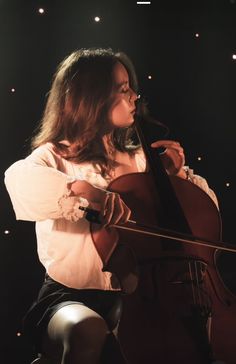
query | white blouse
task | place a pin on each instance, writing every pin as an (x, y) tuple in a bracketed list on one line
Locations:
[(39, 188)]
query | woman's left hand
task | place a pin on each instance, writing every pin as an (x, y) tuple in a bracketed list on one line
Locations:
[(173, 157)]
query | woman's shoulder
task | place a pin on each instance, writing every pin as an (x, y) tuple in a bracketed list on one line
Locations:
[(46, 148), (45, 154), (49, 148)]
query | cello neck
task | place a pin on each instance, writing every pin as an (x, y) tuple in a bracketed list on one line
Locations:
[(172, 215)]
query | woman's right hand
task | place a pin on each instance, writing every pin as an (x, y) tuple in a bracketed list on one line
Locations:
[(112, 208)]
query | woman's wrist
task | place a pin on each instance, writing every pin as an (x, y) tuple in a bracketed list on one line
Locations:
[(185, 173), (82, 188), (182, 173)]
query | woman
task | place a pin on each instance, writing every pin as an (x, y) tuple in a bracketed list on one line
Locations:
[(84, 142)]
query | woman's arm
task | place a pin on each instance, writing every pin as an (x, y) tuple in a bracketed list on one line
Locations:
[(39, 191)]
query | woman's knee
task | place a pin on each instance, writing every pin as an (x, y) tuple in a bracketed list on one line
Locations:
[(90, 331), (75, 329)]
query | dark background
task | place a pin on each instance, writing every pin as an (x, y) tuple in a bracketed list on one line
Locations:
[(192, 90)]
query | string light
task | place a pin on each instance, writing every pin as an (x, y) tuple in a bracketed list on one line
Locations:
[(41, 11), (197, 35), (234, 56), (18, 334), (149, 77), (6, 232), (97, 19), (13, 90), (227, 184), (199, 158)]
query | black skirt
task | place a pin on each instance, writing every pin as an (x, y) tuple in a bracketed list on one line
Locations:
[(53, 295)]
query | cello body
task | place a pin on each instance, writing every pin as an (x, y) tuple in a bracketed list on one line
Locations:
[(180, 311)]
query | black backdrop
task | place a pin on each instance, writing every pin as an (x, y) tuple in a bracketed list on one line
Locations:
[(192, 90)]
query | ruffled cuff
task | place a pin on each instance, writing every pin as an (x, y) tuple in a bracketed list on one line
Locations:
[(189, 173), (69, 207)]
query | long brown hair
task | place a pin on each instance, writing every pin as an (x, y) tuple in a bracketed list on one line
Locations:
[(78, 105)]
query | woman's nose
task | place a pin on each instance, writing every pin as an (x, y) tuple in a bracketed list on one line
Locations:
[(133, 96)]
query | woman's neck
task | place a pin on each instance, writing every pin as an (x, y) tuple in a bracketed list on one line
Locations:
[(108, 145)]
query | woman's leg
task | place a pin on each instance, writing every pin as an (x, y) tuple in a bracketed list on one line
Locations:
[(75, 334)]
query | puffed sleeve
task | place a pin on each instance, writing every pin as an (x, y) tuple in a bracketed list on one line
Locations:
[(202, 183), (39, 191)]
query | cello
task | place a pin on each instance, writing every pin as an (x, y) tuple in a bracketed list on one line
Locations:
[(176, 307)]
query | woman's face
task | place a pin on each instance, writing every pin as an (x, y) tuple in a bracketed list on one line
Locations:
[(122, 110)]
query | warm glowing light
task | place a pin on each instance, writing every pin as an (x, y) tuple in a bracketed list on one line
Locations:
[(6, 232), (143, 2), (13, 90), (227, 184), (97, 18), (234, 56), (197, 35), (199, 158), (18, 334), (149, 77), (41, 10)]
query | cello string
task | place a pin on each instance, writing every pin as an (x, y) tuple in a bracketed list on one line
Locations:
[(204, 295), (198, 289), (192, 283)]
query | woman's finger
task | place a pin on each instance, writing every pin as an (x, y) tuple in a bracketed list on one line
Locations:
[(107, 208), (164, 144), (174, 149), (118, 210), (126, 214)]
